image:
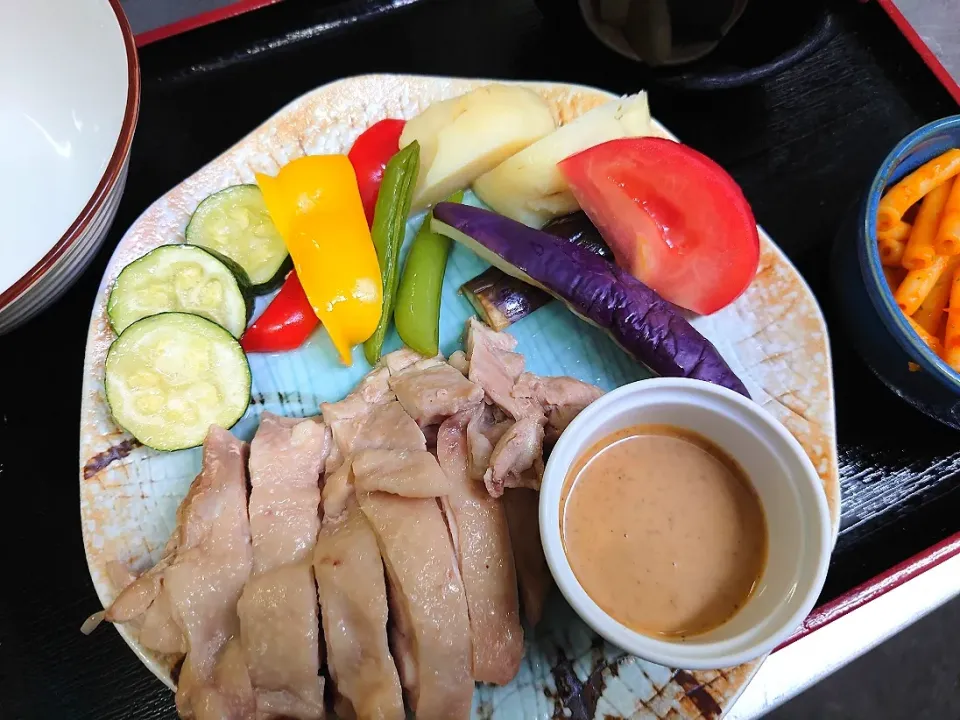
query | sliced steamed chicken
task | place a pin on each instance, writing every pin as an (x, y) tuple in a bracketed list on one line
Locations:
[(430, 635), (561, 398), (466, 136), (206, 564), (494, 366), (347, 563), (517, 458), (287, 458), (431, 391), (522, 507), (478, 525), (353, 600), (529, 188), (279, 618), (346, 417)]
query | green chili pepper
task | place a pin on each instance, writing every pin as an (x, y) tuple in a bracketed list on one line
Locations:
[(389, 225), (418, 300)]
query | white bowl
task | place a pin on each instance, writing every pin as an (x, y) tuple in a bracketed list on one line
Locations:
[(67, 116), (793, 500)]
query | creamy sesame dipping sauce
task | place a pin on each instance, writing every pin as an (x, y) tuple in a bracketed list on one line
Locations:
[(663, 530)]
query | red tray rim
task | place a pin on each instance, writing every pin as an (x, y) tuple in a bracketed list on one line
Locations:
[(922, 48), (237, 7), (878, 585)]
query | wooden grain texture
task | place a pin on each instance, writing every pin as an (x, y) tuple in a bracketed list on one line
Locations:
[(803, 145)]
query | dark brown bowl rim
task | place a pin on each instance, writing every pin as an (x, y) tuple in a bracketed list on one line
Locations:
[(107, 181)]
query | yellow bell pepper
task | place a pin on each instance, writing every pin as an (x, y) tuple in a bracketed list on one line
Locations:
[(315, 204)]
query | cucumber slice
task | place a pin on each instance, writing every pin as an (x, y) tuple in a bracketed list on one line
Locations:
[(182, 278), (235, 223), (169, 377)]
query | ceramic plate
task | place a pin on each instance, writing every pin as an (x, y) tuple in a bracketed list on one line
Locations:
[(773, 336)]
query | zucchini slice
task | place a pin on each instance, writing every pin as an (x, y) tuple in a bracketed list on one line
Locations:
[(235, 222), (182, 278), (169, 377)]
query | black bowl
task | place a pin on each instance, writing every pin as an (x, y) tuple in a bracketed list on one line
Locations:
[(770, 37)]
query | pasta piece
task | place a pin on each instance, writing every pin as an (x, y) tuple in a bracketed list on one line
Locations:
[(932, 311), (892, 243), (919, 252), (914, 186), (932, 342), (894, 276), (951, 334), (947, 241), (918, 284)]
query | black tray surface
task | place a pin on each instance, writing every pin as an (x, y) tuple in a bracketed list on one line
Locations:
[(803, 144)]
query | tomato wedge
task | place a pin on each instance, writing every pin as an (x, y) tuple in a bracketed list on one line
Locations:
[(672, 216), (369, 156)]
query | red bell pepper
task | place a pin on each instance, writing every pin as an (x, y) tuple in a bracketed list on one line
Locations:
[(369, 156), (285, 324)]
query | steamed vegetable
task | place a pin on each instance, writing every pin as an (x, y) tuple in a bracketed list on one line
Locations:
[(285, 324), (578, 229), (169, 377), (417, 314), (234, 222), (530, 189), (501, 300), (389, 226), (464, 137), (639, 320), (315, 204), (182, 278), (369, 156), (673, 218)]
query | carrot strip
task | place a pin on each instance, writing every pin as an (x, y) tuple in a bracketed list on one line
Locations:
[(947, 241), (918, 284), (914, 186), (931, 313), (951, 334), (932, 342), (919, 252), (892, 243)]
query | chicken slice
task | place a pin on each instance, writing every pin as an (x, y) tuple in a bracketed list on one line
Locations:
[(431, 632), (230, 697), (346, 417), (518, 451), (280, 627), (561, 398), (279, 618), (399, 360), (495, 367), (287, 457), (410, 473), (353, 601), (522, 507), (337, 490), (484, 430), (209, 561), (431, 391), (482, 541), (159, 630), (458, 361), (385, 425)]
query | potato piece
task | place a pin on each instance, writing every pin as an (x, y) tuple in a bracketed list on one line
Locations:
[(464, 137), (529, 188)]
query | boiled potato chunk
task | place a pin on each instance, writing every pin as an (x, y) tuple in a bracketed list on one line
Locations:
[(464, 137), (529, 188)]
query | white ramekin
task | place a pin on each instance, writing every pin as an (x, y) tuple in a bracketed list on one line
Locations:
[(794, 503)]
